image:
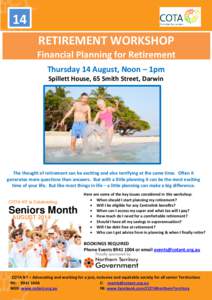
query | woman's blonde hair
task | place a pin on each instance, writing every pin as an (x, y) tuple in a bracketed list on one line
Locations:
[(100, 101)]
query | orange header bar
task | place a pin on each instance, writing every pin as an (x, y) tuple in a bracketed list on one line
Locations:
[(107, 45), (107, 15)]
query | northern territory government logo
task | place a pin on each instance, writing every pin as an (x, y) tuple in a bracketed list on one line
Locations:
[(88, 262), (180, 16)]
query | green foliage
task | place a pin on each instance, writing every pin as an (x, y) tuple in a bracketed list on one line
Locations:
[(57, 104)]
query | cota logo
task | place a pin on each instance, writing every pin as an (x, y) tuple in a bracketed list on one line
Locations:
[(171, 18), (191, 15)]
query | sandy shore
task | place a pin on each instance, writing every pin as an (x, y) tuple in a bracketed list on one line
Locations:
[(62, 139)]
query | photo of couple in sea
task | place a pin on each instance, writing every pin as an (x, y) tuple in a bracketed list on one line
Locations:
[(99, 124)]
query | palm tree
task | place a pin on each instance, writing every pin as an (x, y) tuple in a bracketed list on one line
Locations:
[(100, 93), (61, 92)]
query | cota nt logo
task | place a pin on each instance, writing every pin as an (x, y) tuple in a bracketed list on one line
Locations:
[(189, 16), (192, 15)]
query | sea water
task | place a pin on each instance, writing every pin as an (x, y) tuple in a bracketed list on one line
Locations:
[(96, 148), (123, 153)]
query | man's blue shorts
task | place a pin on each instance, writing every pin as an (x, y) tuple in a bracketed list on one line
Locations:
[(78, 129)]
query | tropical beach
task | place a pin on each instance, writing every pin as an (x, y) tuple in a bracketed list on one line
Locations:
[(98, 124)]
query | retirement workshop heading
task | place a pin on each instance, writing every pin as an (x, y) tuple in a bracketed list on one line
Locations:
[(145, 40)]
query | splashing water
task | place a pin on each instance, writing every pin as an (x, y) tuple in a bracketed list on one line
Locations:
[(95, 140), (96, 148), (123, 153)]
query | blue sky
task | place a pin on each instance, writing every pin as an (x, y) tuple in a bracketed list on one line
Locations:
[(143, 100)]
